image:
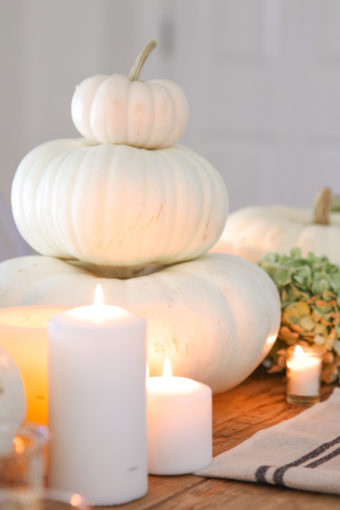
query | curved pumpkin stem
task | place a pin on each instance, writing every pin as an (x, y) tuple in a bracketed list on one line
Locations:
[(139, 62), (322, 207)]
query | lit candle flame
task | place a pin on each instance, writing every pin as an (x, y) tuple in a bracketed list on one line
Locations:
[(19, 445), (298, 352), (167, 371), (76, 500), (98, 300)]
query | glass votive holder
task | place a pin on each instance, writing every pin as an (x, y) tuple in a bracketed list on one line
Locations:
[(303, 367), (21, 465), (47, 499)]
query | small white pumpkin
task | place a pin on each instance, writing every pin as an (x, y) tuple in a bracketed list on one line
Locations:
[(12, 400), (254, 231), (124, 110), (116, 205), (216, 317)]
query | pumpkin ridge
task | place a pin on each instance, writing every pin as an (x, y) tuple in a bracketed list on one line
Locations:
[(175, 199), (29, 169), (172, 128), (111, 185), (96, 102), (181, 109), (78, 115), (152, 109), (63, 234), (51, 247), (191, 240), (78, 188), (169, 194), (156, 86), (214, 191), (139, 127)]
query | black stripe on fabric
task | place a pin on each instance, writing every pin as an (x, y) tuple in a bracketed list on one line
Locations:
[(324, 459), (279, 473), (260, 474)]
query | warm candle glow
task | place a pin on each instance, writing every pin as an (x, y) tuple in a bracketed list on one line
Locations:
[(76, 500), (168, 383), (303, 375), (179, 423), (147, 370), (298, 352), (23, 333), (167, 370), (98, 300), (19, 444), (99, 312)]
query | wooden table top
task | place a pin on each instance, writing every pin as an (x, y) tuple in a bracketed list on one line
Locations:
[(257, 403)]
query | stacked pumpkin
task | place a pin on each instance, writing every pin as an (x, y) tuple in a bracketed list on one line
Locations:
[(128, 208)]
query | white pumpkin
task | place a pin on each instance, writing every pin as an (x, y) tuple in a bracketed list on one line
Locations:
[(254, 231), (124, 110), (216, 317), (12, 400), (116, 205)]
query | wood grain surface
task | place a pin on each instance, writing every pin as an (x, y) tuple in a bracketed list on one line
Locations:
[(257, 403)]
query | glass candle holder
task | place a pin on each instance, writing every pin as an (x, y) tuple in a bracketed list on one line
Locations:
[(303, 368), (21, 466), (46, 499), (23, 333)]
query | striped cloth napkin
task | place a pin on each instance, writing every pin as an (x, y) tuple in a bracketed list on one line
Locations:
[(302, 452)]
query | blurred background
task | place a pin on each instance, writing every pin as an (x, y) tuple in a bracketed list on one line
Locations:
[(262, 79)]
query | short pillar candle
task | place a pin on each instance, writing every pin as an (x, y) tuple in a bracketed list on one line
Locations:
[(179, 424), (303, 375), (23, 333), (97, 404)]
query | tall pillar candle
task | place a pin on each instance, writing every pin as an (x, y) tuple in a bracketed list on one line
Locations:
[(179, 424), (97, 404)]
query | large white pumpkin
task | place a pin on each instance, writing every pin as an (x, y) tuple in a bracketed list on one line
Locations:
[(253, 231), (116, 205), (216, 317), (125, 110)]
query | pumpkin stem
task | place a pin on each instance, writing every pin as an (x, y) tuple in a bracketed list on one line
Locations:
[(322, 206), (139, 62)]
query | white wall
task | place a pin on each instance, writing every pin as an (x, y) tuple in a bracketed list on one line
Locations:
[(262, 78)]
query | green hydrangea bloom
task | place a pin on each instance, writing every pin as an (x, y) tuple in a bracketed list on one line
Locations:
[(309, 289)]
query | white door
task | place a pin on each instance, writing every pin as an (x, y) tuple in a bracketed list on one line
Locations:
[(263, 83)]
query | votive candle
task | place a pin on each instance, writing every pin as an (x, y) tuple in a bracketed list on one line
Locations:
[(303, 375)]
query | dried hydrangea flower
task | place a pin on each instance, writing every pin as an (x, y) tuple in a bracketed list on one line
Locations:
[(309, 288)]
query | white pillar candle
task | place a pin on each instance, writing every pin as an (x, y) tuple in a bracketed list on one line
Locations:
[(97, 404), (179, 424), (303, 372)]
